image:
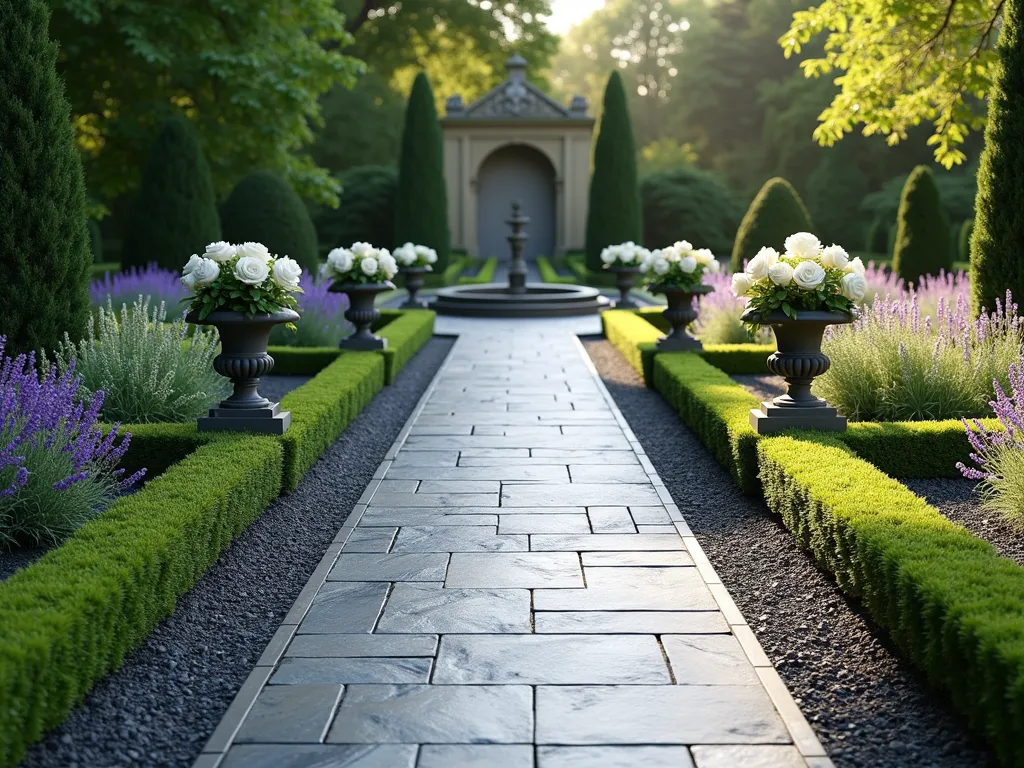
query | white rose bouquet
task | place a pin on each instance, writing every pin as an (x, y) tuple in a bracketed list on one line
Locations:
[(410, 255), (362, 263), (679, 265), (627, 254), (244, 278), (806, 277)]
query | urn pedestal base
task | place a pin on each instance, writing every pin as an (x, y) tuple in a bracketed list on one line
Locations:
[(772, 419), (270, 420)]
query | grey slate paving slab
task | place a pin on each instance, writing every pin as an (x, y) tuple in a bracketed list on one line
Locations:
[(345, 607), (427, 608), (761, 756), (610, 520), (321, 756), (356, 646), (400, 517), (435, 714), (457, 539), (550, 660), (605, 542), (525, 570), (420, 566), (597, 473), (664, 714), (426, 458), (631, 589), (498, 469), (626, 559), (438, 500), (629, 622), (460, 486), (476, 756), (293, 714), (616, 757), (708, 660), (297, 671), (586, 456), (543, 524), (370, 540), (586, 494)]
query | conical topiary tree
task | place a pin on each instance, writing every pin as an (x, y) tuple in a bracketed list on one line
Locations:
[(44, 245), (175, 212), (265, 209), (614, 213), (95, 240), (997, 244), (963, 248), (421, 203), (775, 214), (923, 245)]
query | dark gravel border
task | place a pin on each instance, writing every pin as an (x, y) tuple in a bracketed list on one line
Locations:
[(868, 707), (956, 499), (162, 705)]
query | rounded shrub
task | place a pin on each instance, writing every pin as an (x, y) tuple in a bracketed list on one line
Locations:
[(923, 245), (44, 244), (614, 214), (175, 212), (689, 204), (366, 211), (775, 214), (421, 202), (263, 208)]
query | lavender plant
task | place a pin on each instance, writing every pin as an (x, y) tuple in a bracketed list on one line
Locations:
[(323, 321), (123, 288), (999, 453), (896, 363), (57, 468), (150, 369), (719, 319)]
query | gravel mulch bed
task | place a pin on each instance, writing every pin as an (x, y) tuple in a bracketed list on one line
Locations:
[(956, 499), (868, 706), (276, 387), (163, 704), (764, 385), (18, 559)]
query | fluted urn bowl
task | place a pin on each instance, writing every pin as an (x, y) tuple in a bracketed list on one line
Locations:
[(625, 276), (362, 313), (413, 277), (680, 314)]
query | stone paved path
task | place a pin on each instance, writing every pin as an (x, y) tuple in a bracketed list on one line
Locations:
[(516, 589)]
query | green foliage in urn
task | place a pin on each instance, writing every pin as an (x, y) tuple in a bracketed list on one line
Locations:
[(614, 215), (997, 245), (421, 203), (44, 245), (264, 208), (923, 241), (366, 213), (775, 213), (175, 211)]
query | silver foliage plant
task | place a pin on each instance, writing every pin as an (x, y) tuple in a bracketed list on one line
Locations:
[(150, 370)]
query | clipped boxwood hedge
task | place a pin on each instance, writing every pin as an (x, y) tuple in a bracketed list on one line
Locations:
[(913, 448), (484, 275), (950, 603), (627, 331), (549, 274)]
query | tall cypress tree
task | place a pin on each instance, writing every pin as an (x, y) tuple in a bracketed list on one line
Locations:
[(924, 245), (175, 213), (44, 244), (775, 214), (997, 244), (614, 214), (421, 203)]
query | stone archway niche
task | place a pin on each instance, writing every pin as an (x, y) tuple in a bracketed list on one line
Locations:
[(516, 172)]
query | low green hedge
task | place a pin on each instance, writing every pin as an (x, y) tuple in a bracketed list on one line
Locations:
[(156, 447), (950, 603), (913, 448), (715, 408), (409, 331), (484, 275), (576, 262), (72, 616), (627, 332), (737, 359), (302, 361), (549, 274)]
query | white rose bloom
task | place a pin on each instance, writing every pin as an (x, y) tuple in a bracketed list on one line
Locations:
[(741, 284), (251, 270), (286, 273), (688, 264), (369, 266), (221, 251), (661, 266), (361, 249), (609, 255), (672, 255), (642, 255), (189, 281), (253, 251), (683, 246), (648, 263), (703, 256), (803, 245), (808, 275), (388, 264), (428, 255), (193, 262), (855, 286), (856, 266), (206, 271), (758, 266), (340, 260), (406, 255), (781, 274), (835, 257), (628, 255), (714, 267)]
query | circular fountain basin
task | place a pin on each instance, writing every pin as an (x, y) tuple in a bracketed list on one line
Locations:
[(539, 300)]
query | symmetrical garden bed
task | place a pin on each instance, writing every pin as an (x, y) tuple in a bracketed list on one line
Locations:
[(73, 615), (947, 599)]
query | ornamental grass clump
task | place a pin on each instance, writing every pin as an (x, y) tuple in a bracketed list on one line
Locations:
[(323, 322), (999, 453), (153, 282), (57, 468), (896, 363), (150, 370)]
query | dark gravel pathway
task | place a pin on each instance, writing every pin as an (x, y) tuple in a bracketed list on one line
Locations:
[(868, 707), (163, 704)]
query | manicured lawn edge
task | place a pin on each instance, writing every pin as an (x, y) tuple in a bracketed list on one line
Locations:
[(953, 606), (549, 274)]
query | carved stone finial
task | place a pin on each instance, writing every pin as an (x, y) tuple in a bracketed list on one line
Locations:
[(516, 67), (454, 107), (578, 106)]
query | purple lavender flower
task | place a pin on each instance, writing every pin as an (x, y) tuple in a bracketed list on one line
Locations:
[(322, 320), (162, 285)]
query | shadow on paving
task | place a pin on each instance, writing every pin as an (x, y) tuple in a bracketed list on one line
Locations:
[(162, 705), (868, 707)]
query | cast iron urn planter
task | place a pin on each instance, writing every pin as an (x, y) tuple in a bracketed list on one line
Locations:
[(680, 314), (362, 313), (413, 282), (624, 277), (244, 359), (799, 360)]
